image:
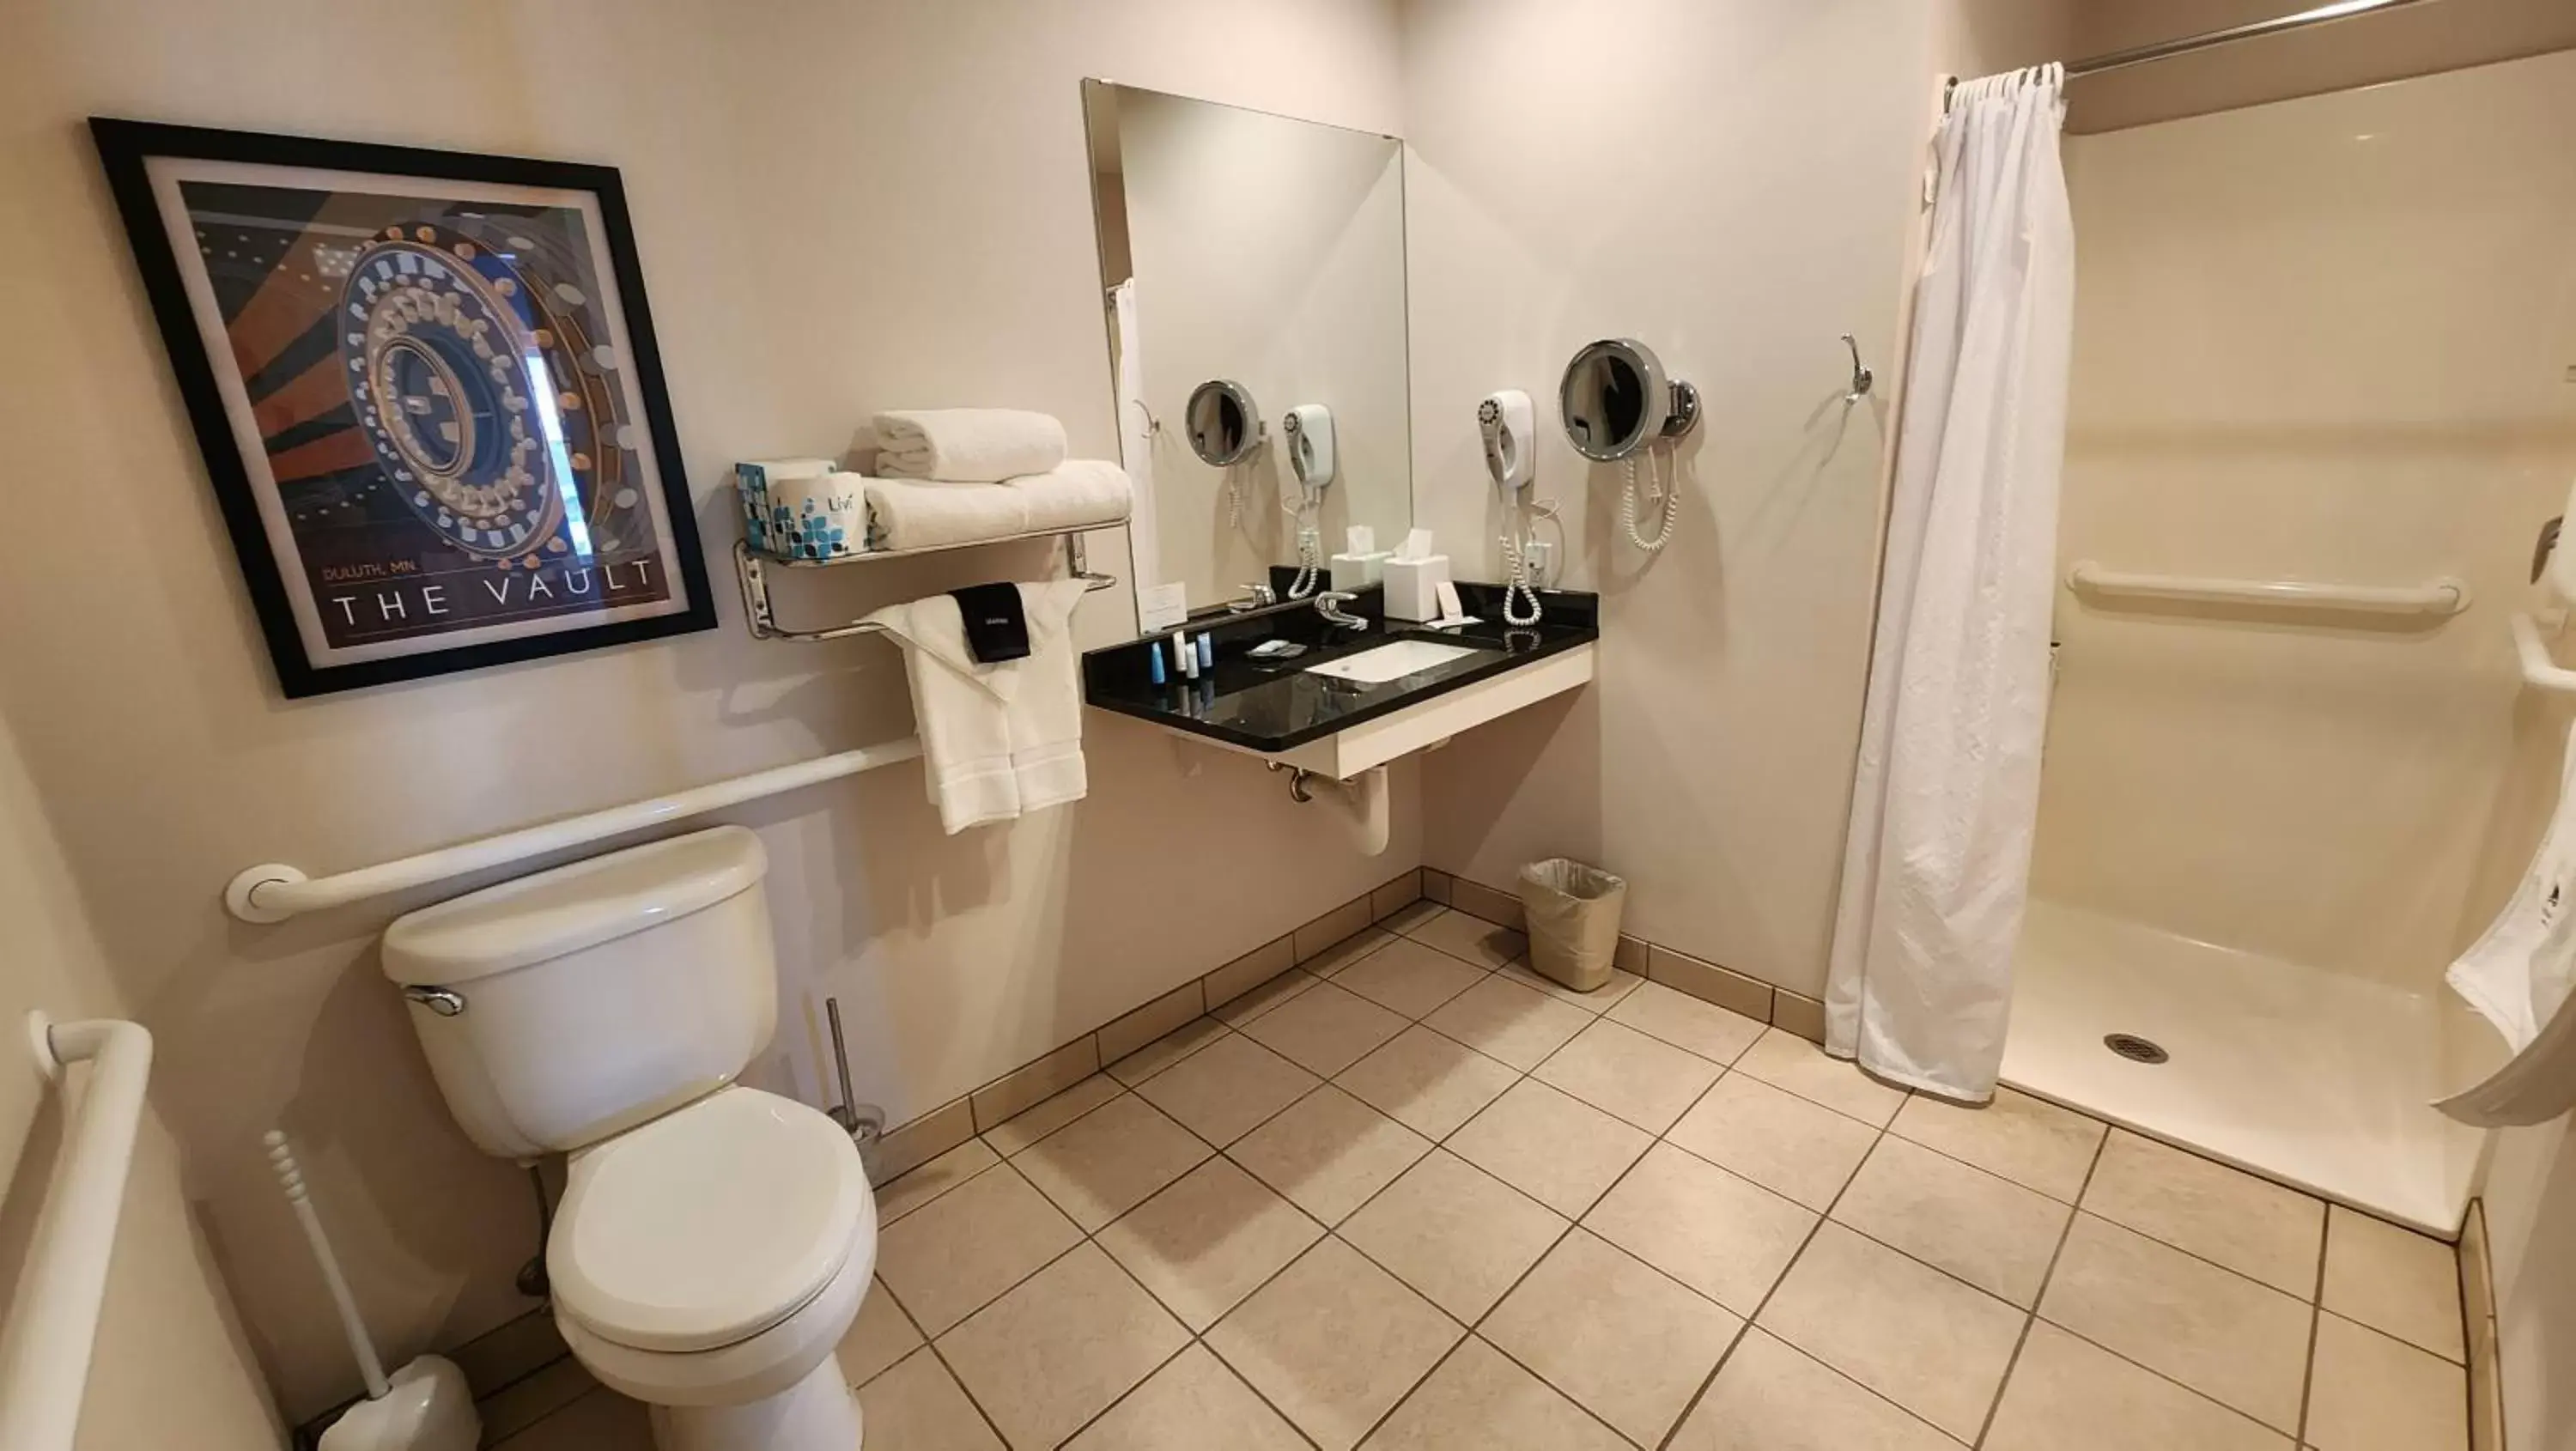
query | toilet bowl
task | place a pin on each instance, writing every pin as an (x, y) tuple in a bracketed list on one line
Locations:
[(714, 1241)]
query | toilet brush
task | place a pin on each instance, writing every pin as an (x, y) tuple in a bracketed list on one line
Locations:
[(425, 1405)]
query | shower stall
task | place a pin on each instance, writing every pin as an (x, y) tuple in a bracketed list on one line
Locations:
[(2328, 341)]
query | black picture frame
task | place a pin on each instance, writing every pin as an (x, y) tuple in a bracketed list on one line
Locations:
[(641, 451)]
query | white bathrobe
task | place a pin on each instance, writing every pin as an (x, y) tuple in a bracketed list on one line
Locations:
[(1001, 739)]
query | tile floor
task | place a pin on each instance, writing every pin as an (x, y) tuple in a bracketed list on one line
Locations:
[(1422, 1198)]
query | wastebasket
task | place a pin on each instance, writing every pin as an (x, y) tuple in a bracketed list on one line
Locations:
[(1573, 913)]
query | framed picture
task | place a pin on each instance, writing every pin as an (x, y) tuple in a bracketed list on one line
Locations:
[(427, 393)]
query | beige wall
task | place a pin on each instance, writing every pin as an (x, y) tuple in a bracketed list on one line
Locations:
[(170, 1366), (2416, 40), (2321, 339), (1269, 251), (839, 208), (1737, 188)]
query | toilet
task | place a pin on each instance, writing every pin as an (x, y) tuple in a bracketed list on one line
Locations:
[(714, 1241)]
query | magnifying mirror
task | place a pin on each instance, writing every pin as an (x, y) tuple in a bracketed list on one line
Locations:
[(1223, 425), (1616, 400)]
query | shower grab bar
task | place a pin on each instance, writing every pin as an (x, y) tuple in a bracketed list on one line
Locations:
[(274, 891), (2446, 595), (2539, 671), (45, 1354)]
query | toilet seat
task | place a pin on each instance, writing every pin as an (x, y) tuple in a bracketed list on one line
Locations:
[(710, 1225)]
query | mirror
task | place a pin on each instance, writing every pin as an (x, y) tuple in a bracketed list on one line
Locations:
[(1616, 400), (1249, 256), (1224, 423)]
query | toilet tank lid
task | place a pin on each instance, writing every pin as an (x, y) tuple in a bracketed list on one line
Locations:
[(582, 904)]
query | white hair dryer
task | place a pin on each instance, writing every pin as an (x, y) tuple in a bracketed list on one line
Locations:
[(1509, 423)]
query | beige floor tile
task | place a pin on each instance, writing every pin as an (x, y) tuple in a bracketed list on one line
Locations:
[(2376, 1393), (1329, 1153), (2223, 1335), (1192, 1404), (1456, 1234), (917, 1188), (2225, 1215), (1472, 938), (881, 1335), (1785, 1060), (1406, 977), (1269, 995), (2030, 1141), (1623, 1072), (1056, 1351), (1339, 958), (1209, 1240), (1225, 1090), (1429, 1083), (918, 1406), (1334, 1342), (1035, 1123), (1933, 1345), (1775, 1138), (946, 1259), (1771, 1397), (1506, 1021), (1627, 1344), (1409, 916), (2394, 1281), (1479, 1401), (1557, 1150), (534, 1397), (1167, 1050), (1324, 1029), (596, 1420), (1726, 1237), (1684, 1021), (2066, 1392), (1592, 1000), (1106, 1162), (1990, 1232)]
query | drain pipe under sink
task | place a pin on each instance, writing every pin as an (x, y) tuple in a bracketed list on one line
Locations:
[(1363, 797)]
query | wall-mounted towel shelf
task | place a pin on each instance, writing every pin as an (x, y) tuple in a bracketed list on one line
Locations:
[(2443, 596), (761, 617)]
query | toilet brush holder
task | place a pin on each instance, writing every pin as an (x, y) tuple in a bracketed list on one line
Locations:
[(423, 1406)]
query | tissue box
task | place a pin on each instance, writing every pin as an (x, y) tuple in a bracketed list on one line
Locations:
[(1359, 571), (1413, 587)]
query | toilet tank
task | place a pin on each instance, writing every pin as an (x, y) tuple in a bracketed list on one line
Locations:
[(561, 1008)]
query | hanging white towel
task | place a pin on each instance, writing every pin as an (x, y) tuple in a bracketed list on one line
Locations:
[(999, 740), (1946, 794), (914, 514), (967, 445), (2518, 975)]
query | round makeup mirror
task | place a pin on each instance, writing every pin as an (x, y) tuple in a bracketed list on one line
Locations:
[(1616, 400), (1223, 424)]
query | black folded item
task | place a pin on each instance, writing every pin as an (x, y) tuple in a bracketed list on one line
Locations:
[(997, 625)]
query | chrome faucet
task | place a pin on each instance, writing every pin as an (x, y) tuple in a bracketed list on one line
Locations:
[(1256, 596), (1328, 603)]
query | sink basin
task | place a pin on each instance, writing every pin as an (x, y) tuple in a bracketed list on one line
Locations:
[(1391, 662)]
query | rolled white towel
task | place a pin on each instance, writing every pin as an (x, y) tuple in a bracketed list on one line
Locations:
[(967, 445), (919, 514)]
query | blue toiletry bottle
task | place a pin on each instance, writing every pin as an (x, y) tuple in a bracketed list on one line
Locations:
[(1154, 667)]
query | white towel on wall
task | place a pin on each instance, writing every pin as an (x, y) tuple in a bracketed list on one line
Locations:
[(999, 740), (967, 445), (913, 514)]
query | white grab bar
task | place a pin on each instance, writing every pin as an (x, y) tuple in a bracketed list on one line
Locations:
[(45, 1354), (2447, 595), (274, 891)]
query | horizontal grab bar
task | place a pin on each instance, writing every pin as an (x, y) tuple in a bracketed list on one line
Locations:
[(45, 1354), (274, 891), (2447, 595)]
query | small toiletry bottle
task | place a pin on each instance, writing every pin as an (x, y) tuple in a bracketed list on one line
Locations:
[(1154, 663), (1207, 651), (1189, 659)]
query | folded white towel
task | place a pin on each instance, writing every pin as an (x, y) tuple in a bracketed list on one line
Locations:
[(916, 514), (967, 445), (999, 740)]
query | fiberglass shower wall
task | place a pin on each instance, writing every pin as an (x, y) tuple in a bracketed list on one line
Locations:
[(2324, 339)]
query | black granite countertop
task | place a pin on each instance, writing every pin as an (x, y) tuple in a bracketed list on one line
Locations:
[(1276, 705)]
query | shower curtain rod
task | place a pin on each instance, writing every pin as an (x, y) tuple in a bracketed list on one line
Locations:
[(2164, 49)]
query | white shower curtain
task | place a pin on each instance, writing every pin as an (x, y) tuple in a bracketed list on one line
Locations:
[(1937, 865)]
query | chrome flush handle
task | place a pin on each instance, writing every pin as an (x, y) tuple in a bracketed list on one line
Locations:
[(446, 1002)]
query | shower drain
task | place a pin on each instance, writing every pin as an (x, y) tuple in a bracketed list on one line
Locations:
[(2135, 1048)]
